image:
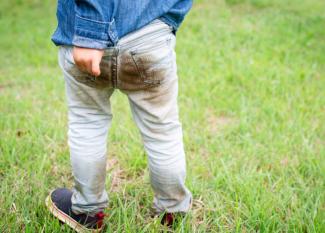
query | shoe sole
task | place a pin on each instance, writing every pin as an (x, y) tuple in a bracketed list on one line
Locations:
[(67, 219)]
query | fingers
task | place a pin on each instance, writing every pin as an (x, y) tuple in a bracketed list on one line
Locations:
[(95, 69), (81, 65), (88, 60)]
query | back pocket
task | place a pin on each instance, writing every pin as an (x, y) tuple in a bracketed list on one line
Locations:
[(153, 63)]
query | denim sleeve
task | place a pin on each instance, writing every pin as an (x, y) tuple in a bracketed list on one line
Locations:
[(93, 21)]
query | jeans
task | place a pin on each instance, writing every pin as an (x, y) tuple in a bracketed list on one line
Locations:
[(142, 66)]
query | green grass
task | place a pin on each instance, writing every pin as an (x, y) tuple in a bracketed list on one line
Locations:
[(252, 103)]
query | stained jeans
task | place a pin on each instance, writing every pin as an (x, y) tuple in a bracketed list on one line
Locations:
[(142, 66)]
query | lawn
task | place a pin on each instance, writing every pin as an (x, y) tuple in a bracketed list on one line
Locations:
[(252, 104)]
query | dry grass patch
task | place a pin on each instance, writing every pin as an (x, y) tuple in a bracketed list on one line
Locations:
[(217, 124)]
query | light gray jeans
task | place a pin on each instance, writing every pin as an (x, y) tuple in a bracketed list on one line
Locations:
[(143, 66)]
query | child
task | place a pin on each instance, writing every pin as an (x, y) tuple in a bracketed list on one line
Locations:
[(126, 45)]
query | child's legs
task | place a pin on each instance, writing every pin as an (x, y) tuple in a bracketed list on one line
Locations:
[(153, 101), (155, 112), (156, 115), (89, 121)]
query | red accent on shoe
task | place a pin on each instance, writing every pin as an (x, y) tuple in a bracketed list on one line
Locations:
[(100, 216), (168, 219)]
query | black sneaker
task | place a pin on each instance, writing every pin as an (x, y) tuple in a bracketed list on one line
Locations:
[(59, 204)]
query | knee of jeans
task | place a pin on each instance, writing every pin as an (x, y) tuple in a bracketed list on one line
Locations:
[(87, 138), (88, 126), (168, 175), (88, 143), (88, 152), (88, 116), (165, 153), (166, 138), (163, 126)]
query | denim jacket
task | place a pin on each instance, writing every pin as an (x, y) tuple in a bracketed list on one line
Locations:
[(100, 23)]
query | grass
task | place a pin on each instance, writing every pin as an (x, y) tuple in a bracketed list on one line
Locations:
[(252, 103)]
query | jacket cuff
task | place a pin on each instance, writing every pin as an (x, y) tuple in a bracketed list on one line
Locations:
[(90, 33)]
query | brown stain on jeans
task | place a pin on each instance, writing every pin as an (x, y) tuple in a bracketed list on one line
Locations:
[(150, 81), (149, 73), (100, 82), (139, 73), (129, 78)]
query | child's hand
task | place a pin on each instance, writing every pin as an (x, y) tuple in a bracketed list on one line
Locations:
[(88, 59)]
